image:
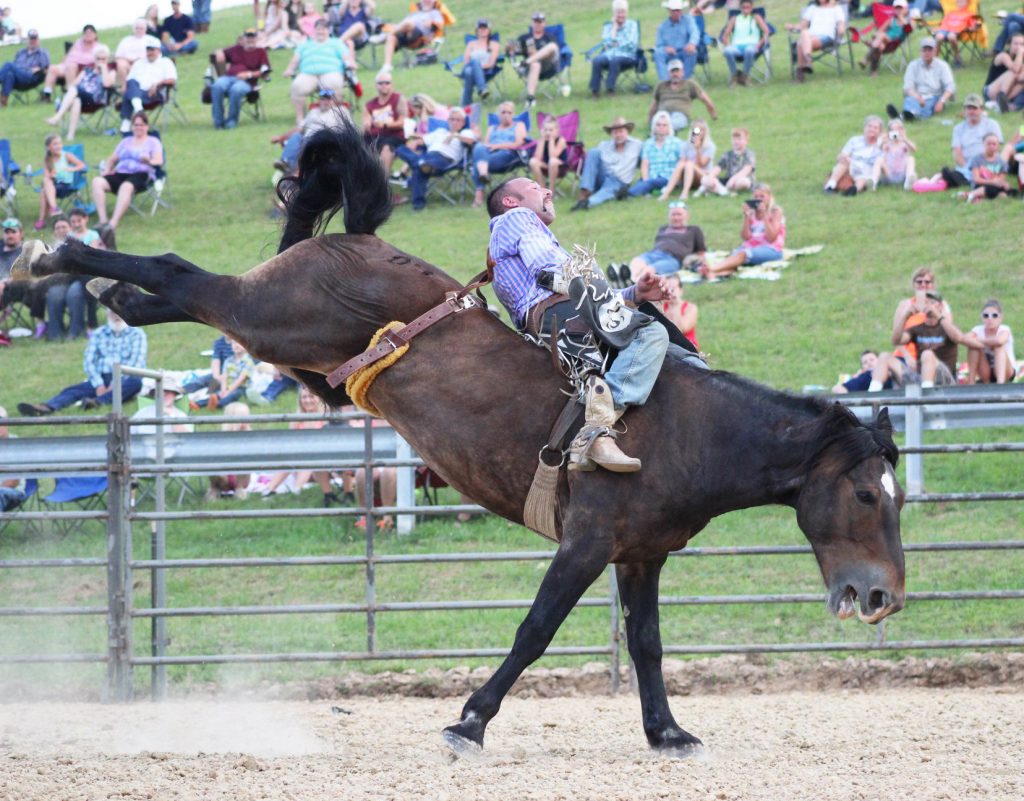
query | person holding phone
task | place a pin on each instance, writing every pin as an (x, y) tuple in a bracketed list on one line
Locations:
[(763, 234)]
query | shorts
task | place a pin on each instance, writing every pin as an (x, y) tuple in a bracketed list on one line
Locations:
[(943, 377), (859, 170), (380, 142), (826, 41), (662, 262), (759, 254), (893, 179), (413, 38), (548, 69), (64, 190), (991, 359), (137, 179)]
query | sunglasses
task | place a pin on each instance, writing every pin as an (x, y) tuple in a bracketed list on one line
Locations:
[(677, 204), (990, 315)]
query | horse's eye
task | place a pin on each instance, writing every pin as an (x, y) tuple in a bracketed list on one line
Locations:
[(865, 497)]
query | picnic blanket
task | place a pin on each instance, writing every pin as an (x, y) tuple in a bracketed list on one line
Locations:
[(769, 271)]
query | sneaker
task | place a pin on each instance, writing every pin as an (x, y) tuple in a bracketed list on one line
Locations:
[(701, 191), (531, 101), (612, 271), (126, 126), (622, 193), (908, 116), (136, 104), (892, 111), (850, 191), (485, 93), (580, 205), (34, 409), (88, 404), (625, 276)]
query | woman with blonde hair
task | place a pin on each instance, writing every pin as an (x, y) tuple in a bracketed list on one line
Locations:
[(695, 162), (308, 403), (90, 89), (59, 168), (763, 234)]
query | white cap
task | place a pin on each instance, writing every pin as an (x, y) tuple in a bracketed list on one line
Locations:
[(899, 3), (152, 41)]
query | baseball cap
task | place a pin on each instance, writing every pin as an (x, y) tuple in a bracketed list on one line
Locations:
[(973, 100), (482, 23), (674, 64), (152, 43), (538, 16), (12, 224), (928, 41), (33, 33), (326, 92)]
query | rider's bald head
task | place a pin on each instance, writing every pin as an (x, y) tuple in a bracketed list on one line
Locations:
[(505, 196)]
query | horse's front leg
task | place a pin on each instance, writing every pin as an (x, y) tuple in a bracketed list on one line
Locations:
[(638, 591), (573, 569)]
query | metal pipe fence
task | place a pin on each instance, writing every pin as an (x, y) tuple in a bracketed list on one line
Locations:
[(122, 656)]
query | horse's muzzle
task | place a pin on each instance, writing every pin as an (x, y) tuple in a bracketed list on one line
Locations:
[(876, 603)]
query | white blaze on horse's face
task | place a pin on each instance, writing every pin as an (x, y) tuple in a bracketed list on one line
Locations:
[(888, 481)]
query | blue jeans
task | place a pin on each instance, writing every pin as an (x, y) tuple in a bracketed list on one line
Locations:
[(191, 47), (924, 6), (201, 11), (661, 59), (236, 91), (920, 111), (12, 78), (472, 77), (292, 148), (497, 161), (645, 187), (10, 498), (595, 180), (65, 296), (747, 52), (662, 262), (417, 178), (277, 386), (635, 369), (759, 254), (133, 90), (1013, 24), (130, 387), (614, 65)]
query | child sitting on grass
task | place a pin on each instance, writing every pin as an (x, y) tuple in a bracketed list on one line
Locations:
[(734, 171), (238, 371), (989, 174)]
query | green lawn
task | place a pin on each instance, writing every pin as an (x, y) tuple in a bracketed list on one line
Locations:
[(803, 329)]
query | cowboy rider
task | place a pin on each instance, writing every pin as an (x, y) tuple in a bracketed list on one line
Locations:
[(523, 249)]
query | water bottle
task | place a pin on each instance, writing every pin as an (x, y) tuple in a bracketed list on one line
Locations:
[(208, 76)]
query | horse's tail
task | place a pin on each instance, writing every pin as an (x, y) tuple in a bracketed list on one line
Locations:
[(337, 170)]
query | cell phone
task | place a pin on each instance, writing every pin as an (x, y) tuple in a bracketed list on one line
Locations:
[(753, 202)]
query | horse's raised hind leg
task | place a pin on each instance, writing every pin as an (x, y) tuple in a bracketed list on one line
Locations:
[(135, 307), (638, 591), (572, 570)]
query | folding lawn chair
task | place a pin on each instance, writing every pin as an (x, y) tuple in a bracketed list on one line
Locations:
[(83, 493), (630, 77), (9, 170), (574, 154), (761, 71), (838, 55), (973, 39), (559, 82), (896, 54), (77, 194), (453, 184), (494, 76)]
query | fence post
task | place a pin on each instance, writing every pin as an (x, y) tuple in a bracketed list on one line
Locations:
[(158, 550), (913, 439), (119, 552), (406, 489), (616, 637)]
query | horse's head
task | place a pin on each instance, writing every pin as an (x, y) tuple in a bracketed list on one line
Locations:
[(849, 507)]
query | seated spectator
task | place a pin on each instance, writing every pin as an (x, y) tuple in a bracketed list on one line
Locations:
[(540, 54), (658, 158), (763, 234), (681, 312), (77, 58), (113, 342), (897, 166), (308, 403), (59, 168), (677, 38), (952, 25), (310, 17), (65, 293), (480, 55), (148, 81), (442, 150), (178, 34), (1006, 76), (10, 31), (152, 17), (171, 393), (855, 165), (676, 96), (500, 151), (352, 21), (132, 48), (936, 340), (28, 69), (989, 173), (238, 372), (12, 490), (1012, 25), (414, 31), (994, 361), (78, 218), (674, 244), (696, 162), (821, 26), (130, 168), (327, 114), (385, 481), (745, 35), (90, 89), (928, 86), (546, 162), (384, 120), (277, 32), (734, 171), (610, 166), (199, 385), (862, 380), (893, 32), (28, 293), (279, 383), (232, 485), (422, 109), (319, 63), (246, 63), (968, 142), (620, 38), (911, 311)]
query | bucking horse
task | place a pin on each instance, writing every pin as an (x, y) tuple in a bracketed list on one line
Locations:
[(477, 403)]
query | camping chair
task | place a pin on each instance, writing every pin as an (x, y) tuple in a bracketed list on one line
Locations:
[(524, 152), (574, 154), (252, 106), (704, 44), (837, 55), (560, 82), (896, 54), (425, 51), (30, 500), (494, 76), (454, 183), (22, 94), (164, 104), (631, 77), (761, 71), (156, 193), (973, 40), (84, 493), (77, 196), (9, 170)]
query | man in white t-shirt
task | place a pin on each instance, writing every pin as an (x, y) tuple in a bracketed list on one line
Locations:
[(147, 80), (821, 26), (443, 150)]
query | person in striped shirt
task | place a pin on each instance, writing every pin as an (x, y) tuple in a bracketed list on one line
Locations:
[(526, 258)]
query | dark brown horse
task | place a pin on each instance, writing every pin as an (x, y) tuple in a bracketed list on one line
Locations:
[(477, 402)]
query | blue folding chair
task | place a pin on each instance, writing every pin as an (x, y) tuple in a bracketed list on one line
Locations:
[(494, 76), (452, 184), (761, 74), (551, 86), (85, 493), (527, 148), (77, 194), (10, 170), (630, 77)]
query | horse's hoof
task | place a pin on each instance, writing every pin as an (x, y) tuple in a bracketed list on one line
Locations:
[(459, 746), (97, 286), (31, 252), (678, 745)]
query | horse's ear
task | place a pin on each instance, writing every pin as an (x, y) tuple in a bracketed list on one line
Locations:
[(882, 421)]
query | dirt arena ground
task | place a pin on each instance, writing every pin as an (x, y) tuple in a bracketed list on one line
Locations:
[(909, 743)]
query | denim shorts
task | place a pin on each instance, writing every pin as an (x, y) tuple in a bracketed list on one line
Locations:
[(759, 254), (662, 262)]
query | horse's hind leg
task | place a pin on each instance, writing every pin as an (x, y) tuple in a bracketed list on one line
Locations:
[(134, 307), (638, 591), (572, 570)]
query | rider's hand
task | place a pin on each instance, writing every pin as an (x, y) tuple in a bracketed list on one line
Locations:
[(651, 286)]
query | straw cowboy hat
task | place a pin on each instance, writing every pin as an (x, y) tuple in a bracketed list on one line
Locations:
[(619, 122)]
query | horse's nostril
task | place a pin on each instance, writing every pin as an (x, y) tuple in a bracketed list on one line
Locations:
[(878, 599)]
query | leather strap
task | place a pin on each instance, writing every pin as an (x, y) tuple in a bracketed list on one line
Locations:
[(454, 303)]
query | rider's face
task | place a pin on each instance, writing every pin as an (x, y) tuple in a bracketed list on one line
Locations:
[(531, 195)]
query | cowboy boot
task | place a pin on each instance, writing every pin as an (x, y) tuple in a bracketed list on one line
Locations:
[(595, 443)]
